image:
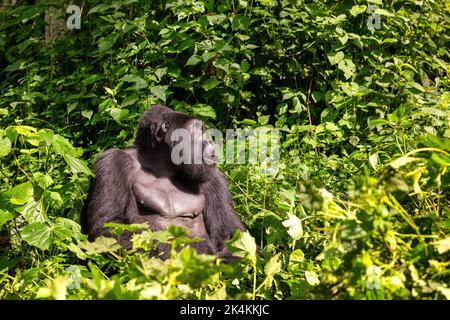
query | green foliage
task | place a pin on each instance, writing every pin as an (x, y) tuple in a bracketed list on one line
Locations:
[(359, 205)]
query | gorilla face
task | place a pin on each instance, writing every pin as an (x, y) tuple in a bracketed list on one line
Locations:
[(193, 154), (163, 130)]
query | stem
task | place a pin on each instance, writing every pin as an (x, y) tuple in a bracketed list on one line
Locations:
[(308, 100), (254, 279)]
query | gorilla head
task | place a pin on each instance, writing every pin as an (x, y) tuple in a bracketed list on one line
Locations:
[(178, 137)]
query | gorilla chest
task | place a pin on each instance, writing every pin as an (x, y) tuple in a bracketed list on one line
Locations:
[(167, 198)]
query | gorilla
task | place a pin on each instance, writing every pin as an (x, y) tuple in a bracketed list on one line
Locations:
[(144, 185)]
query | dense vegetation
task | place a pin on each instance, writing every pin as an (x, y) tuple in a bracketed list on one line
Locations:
[(359, 207)]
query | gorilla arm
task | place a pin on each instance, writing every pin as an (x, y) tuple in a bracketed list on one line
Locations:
[(220, 219), (110, 195)]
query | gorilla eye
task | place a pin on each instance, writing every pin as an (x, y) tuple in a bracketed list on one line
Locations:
[(164, 127)]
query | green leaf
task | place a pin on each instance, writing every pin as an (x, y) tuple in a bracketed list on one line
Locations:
[(109, 91), (193, 60), (107, 42), (21, 193), (186, 44), (100, 245), (357, 10), (443, 245), (210, 84), (417, 86), (216, 18), (373, 160), (138, 81), (348, 67), (159, 92), (263, 120), (5, 147), (336, 58), (118, 229), (243, 244), (376, 122), (402, 161), (5, 216), (294, 226), (38, 234), (62, 146), (118, 114), (87, 114), (43, 180), (77, 165), (17, 65), (312, 278), (203, 110), (272, 267), (53, 197), (33, 211), (435, 112)]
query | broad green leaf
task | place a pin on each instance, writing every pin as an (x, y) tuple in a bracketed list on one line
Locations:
[(62, 146), (33, 211), (435, 112), (5, 216), (312, 278), (21, 193), (443, 245), (373, 160), (77, 165), (263, 120), (193, 60), (53, 197), (402, 161), (107, 42), (294, 226), (109, 91), (59, 288), (216, 18), (348, 67), (272, 267), (295, 258), (203, 110), (417, 86), (138, 81), (243, 244), (17, 65), (43, 180), (159, 92), (38, 234), (5, 146), (118, 114), (87, 114), (186, 44), (210, 84), (336, 57), (356, 10), (376, 122), (100, 245), (25, 130)]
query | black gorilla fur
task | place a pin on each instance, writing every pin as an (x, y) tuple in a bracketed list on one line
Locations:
[(141, 184)]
